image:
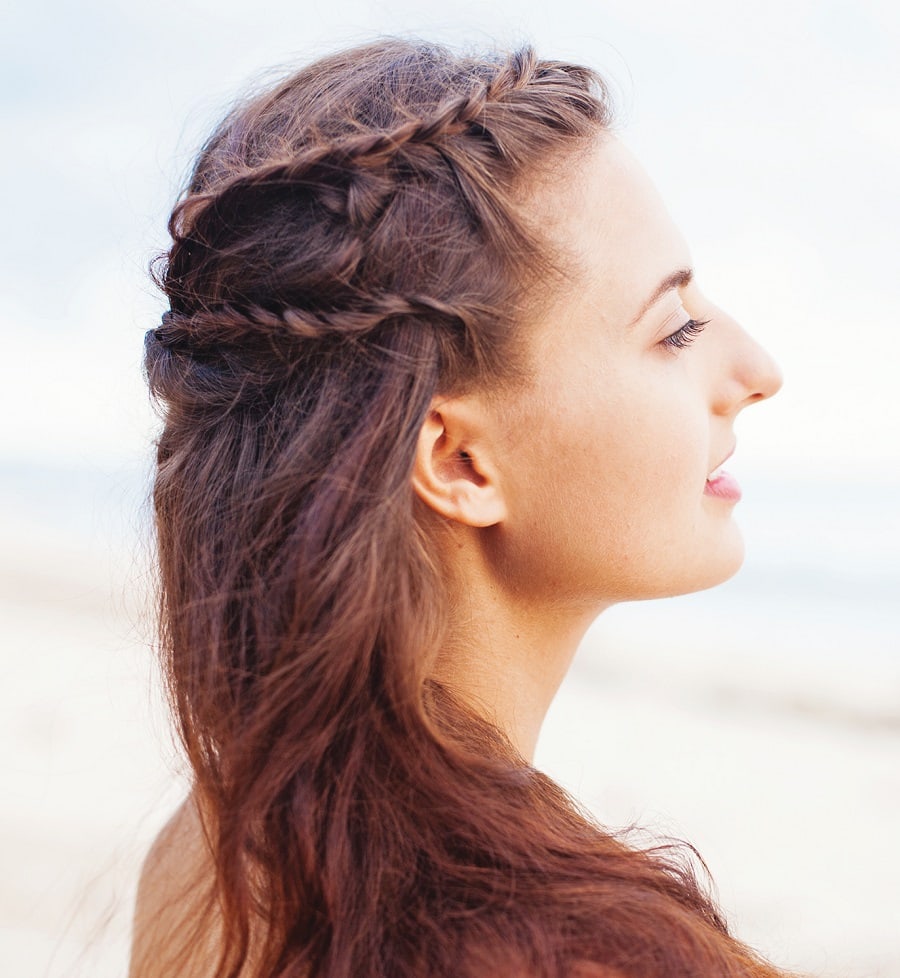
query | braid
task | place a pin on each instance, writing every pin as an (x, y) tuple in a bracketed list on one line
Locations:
[(228, 326), (333, 162), (342, 160)]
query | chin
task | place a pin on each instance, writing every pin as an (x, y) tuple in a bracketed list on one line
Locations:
[(718, 564), (720, 567)]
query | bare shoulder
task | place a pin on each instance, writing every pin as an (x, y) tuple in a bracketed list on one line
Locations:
[(176, 925), (175, 931)]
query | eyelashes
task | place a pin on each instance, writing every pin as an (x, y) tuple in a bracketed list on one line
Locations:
[(685, 335)]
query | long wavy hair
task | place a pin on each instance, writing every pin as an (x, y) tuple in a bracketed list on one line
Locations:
[(350, 245)]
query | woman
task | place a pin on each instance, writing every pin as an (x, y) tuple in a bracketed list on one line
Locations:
[(438, 387)]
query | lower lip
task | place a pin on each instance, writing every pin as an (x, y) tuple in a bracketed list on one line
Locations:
[(724, 486)]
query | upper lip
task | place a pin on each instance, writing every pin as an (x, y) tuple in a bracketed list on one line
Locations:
[(718, 466)]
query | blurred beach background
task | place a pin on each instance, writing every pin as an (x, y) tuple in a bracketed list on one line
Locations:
[(760, 720)]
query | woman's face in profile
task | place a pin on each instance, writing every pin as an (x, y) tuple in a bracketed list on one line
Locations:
[(610, 456)]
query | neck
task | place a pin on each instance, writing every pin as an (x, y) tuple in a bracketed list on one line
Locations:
[(506, 660)]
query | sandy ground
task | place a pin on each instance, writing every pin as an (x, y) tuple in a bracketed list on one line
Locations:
[(794, 801)]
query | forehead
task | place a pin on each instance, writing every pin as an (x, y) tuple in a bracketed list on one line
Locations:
[(606, 219)]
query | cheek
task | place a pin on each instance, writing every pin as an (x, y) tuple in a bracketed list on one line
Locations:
[(632, 494), (611, 506), (637, 454)]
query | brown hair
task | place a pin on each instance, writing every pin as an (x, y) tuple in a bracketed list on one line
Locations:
[(351, 244)]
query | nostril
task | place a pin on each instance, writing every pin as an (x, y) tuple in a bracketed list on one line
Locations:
[(761, 374)]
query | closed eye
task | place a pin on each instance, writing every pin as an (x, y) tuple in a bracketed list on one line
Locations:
[(685, 335)]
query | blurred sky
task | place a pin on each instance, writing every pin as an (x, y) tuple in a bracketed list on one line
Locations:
[(773, 130)]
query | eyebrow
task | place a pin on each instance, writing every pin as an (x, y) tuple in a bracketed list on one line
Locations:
[(677, 280)]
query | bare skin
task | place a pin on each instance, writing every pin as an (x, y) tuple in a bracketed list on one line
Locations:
[(172, 897)]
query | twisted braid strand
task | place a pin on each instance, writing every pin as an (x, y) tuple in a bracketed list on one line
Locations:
[(228, 325), (373, 150)]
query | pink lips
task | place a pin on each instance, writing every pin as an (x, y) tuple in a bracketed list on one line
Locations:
[(723, 486)]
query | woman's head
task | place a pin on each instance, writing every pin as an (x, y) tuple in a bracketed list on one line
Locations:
[(367, 268)]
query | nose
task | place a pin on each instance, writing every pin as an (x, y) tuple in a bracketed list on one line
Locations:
[(752, 375)]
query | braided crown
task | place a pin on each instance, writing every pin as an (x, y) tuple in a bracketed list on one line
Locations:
[(334, 267)]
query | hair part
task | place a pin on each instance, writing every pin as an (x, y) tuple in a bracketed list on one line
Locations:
[(352, 243)]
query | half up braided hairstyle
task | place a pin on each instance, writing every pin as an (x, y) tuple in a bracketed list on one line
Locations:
[(348, 247)]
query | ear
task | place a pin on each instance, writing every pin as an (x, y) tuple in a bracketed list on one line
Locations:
[(453, 473)]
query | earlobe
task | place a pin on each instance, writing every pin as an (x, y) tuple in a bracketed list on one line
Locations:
[(451, 474)]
